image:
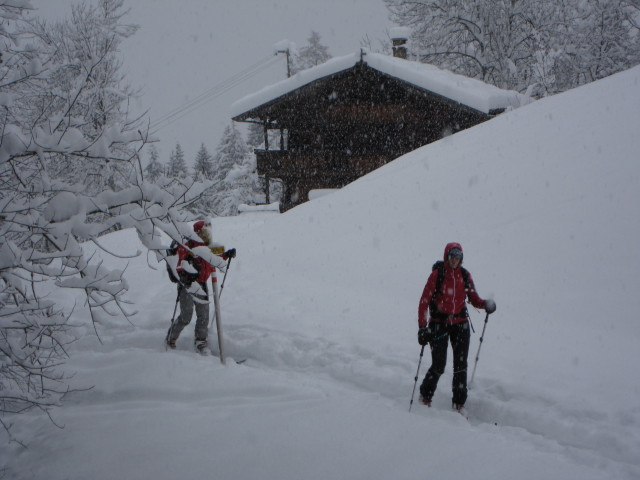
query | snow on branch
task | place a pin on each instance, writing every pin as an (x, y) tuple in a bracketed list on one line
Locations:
[(69, 173)]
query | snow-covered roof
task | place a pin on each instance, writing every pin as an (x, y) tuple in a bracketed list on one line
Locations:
[(467, 91)]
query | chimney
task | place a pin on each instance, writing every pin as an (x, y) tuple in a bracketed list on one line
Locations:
[(399, 36)]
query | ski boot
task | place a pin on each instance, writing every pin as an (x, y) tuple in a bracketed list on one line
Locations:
[(202, 347)]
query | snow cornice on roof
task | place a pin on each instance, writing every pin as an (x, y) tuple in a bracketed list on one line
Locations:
[(467, 91)]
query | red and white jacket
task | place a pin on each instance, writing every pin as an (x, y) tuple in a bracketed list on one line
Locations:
[(450, 301), (203, 268)]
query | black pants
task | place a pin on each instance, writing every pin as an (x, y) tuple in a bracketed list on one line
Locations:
[(459, 336)]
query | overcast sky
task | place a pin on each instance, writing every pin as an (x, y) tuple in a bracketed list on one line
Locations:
[(186, 48)]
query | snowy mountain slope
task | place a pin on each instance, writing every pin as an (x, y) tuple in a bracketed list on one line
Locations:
[(544, 200), (323, 301)]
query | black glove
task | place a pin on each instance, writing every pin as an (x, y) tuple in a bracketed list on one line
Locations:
[(425, 335), (489, 306), (231, 253)]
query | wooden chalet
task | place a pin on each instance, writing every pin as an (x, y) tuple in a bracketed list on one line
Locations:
[(339, 121)]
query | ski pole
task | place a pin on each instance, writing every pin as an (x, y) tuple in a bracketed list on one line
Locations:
[(175, 309), (225, 275), (415, 382), (486, 319)]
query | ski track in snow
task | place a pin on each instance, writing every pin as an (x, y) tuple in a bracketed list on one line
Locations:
[(589, 436), (608, 441)]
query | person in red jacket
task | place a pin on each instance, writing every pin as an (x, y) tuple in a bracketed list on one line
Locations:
[(194, 273), (443, 318)]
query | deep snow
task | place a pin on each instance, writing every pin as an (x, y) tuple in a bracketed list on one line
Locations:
[(322, 301)]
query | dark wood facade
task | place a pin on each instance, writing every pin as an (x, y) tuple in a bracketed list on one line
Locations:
[(342, 126)]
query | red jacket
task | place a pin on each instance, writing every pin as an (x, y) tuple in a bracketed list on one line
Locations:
[(451, 299)]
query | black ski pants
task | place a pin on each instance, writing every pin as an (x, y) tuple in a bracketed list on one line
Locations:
[(459, 336)]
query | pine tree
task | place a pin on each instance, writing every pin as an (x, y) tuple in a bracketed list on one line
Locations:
[(203, 165), (314, 53), (235, 174), (154, 169), (231, 150), (177, 167)]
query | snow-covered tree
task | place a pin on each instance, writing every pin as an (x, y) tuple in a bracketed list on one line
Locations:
[(54, 110), (599, 39), (203, 166), (312, 54), (244, 186), (231, 150), (154, 169), (234, 176), (85, 83), (177, 166), (633, 13), (491, 40), (549, 45)]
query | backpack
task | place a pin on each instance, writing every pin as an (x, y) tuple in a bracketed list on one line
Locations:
[(439, 265), (171, 252)]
